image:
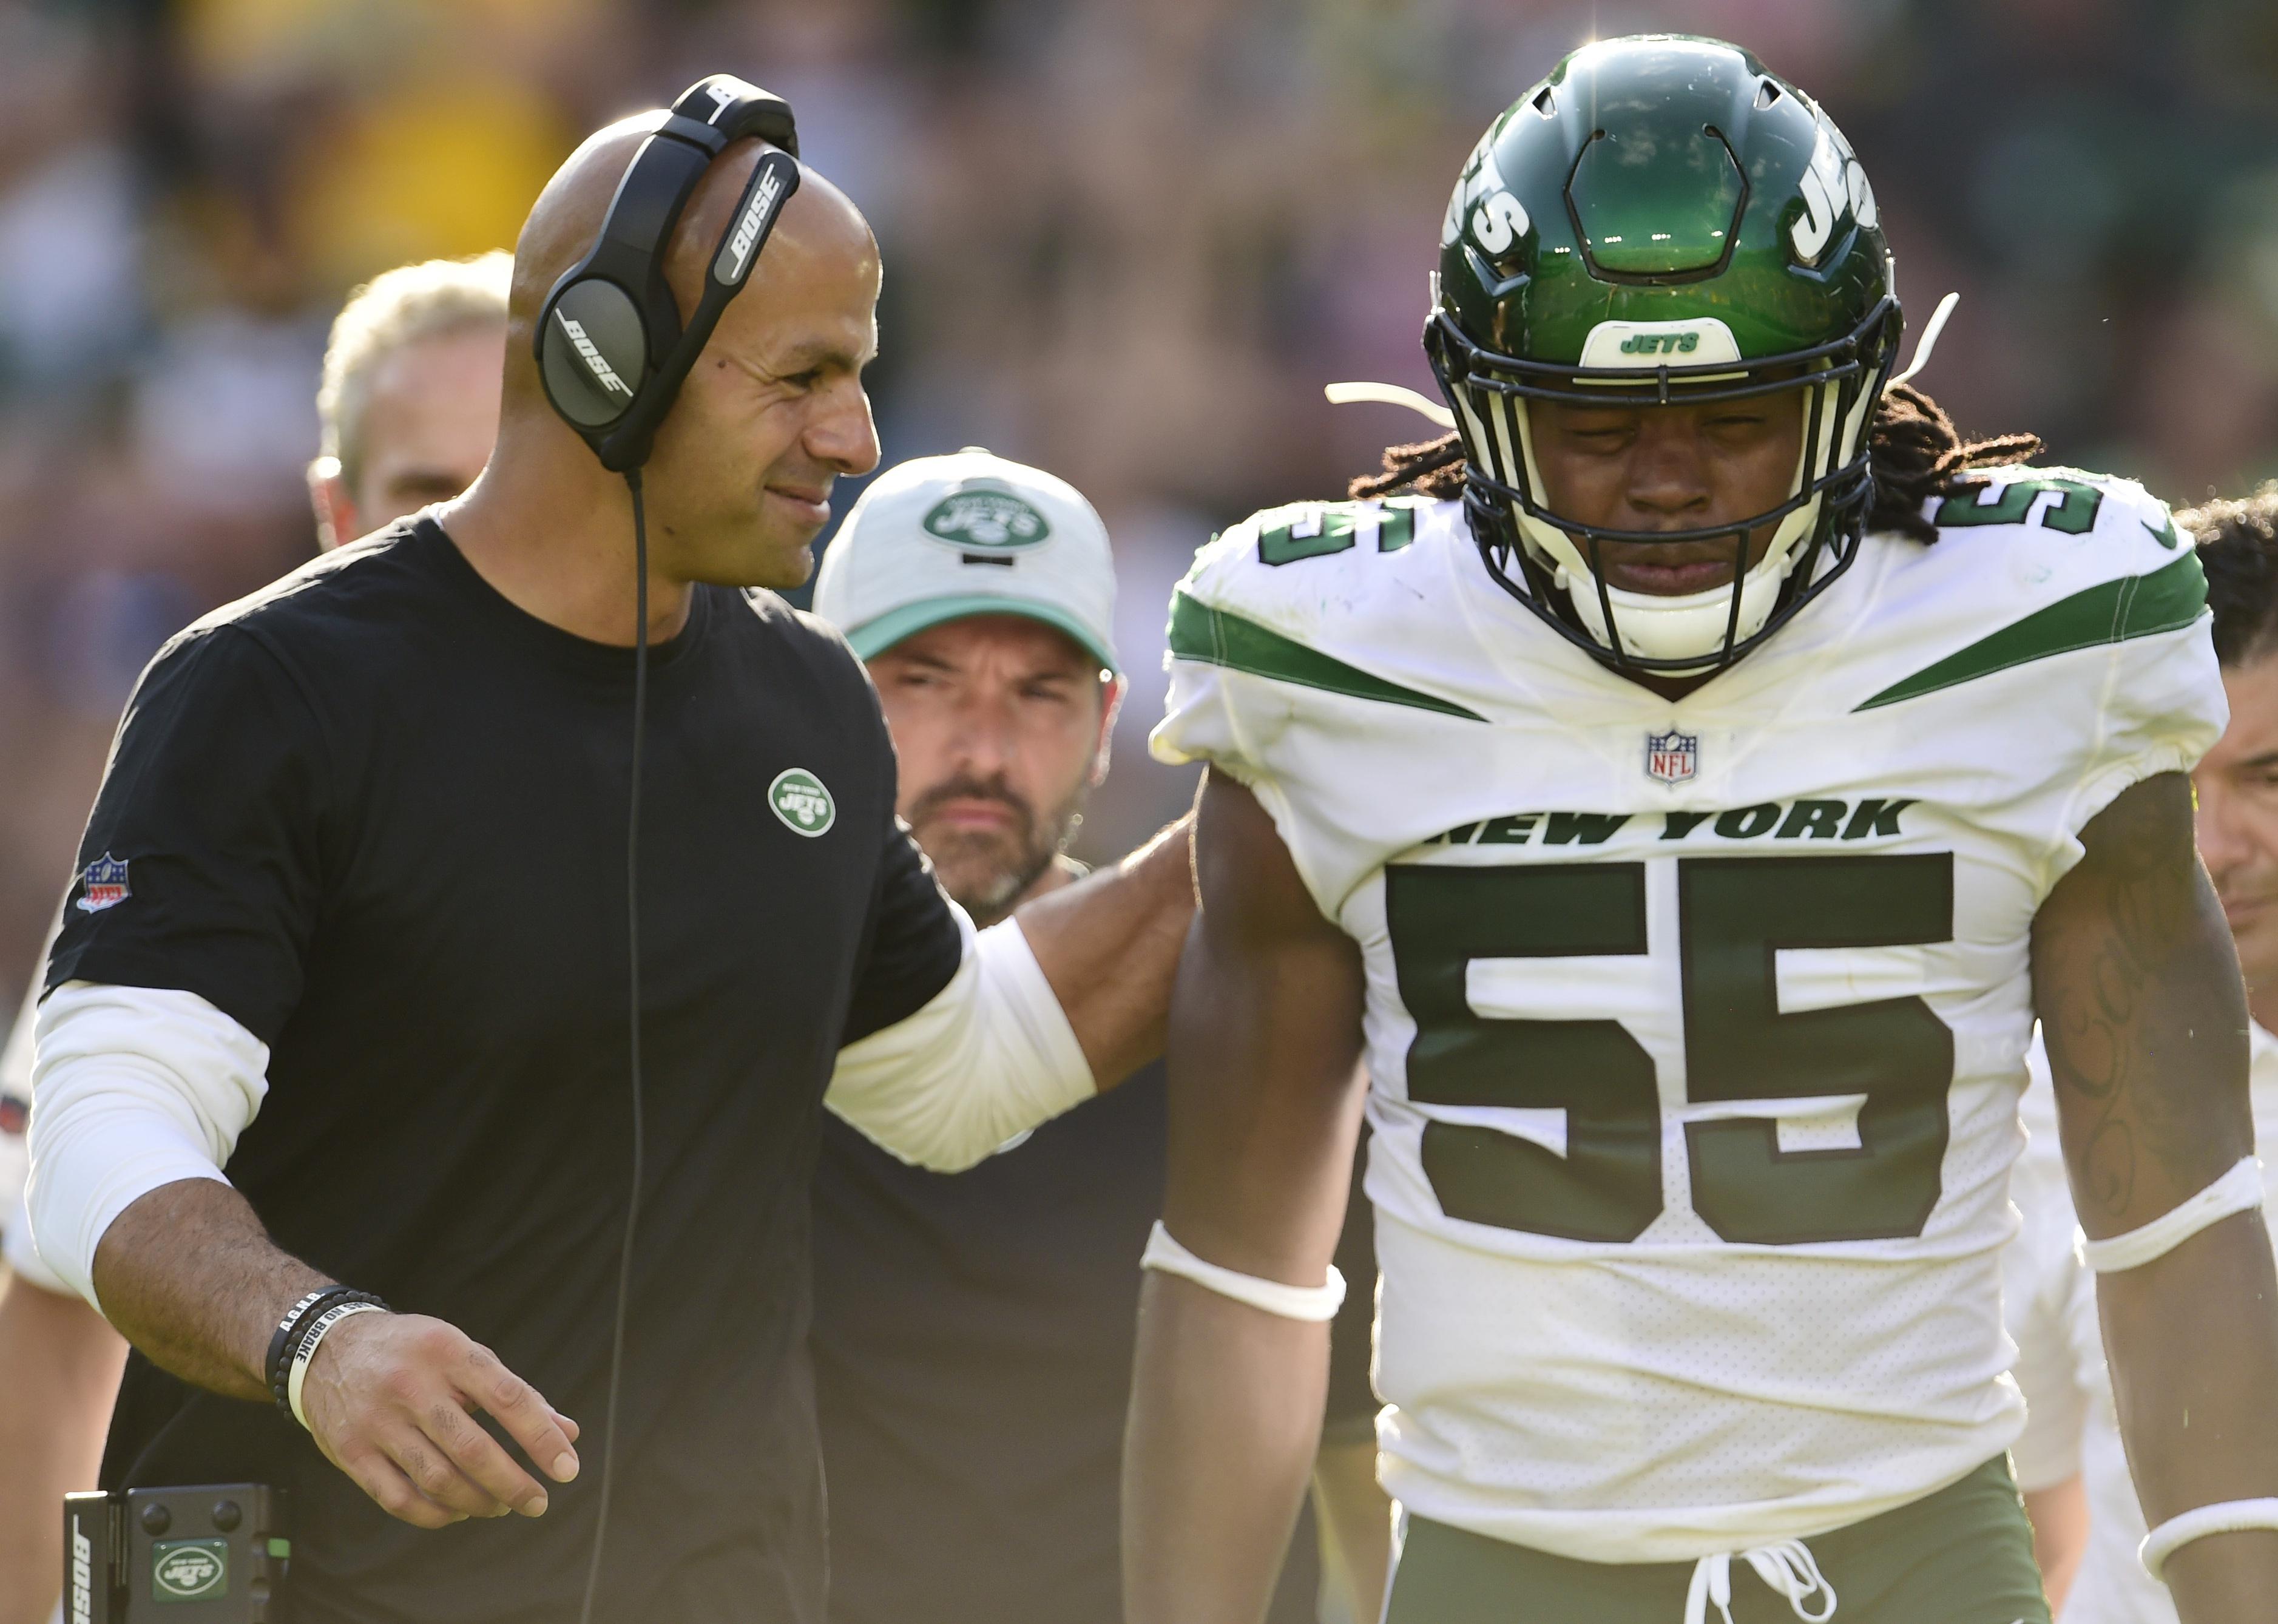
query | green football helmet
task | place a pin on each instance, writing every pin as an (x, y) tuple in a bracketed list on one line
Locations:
[(1663, 220)]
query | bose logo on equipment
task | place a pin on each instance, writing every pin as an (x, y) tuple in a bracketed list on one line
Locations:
[(748, 229), (722, 99), (82, 1589), (594, 360)]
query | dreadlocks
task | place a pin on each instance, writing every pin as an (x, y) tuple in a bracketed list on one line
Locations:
[(1913, 449)]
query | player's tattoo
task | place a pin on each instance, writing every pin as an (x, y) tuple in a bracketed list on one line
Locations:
[(2129, 1002)]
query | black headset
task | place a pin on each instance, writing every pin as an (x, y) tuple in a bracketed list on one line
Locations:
[(611, 350), (612, 355)]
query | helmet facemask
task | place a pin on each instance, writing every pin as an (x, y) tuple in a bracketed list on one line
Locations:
[(1555, 563)]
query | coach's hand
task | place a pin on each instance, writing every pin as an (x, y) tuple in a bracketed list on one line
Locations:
[(390, 1397)]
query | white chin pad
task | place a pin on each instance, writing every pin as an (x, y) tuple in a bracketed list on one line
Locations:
[(1689, 627)]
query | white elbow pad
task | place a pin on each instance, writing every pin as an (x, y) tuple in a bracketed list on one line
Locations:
[(989, 1058), (132, 1088)]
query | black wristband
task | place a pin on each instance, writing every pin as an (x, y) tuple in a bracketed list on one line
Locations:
[(298, 1319), (274, 1367)]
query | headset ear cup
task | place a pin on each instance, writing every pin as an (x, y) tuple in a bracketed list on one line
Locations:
[(593, 349)]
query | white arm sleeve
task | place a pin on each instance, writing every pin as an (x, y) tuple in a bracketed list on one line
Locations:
[(132, 1088), (991, 1057)]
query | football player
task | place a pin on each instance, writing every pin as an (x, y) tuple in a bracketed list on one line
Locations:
[(2073, 1425), (1686, 798)]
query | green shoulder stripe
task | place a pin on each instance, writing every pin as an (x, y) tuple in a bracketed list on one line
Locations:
[(2166, 599), (1215, 638)]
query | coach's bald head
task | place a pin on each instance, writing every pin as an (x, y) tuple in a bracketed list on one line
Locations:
[(738, 487)]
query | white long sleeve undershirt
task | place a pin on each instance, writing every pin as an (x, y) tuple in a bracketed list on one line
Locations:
[(138, 1087), (989, 1058), (132, 1088)]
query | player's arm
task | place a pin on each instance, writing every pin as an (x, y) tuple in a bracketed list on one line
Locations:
[(1226, 1398), (2137, 987), (59, 1368)]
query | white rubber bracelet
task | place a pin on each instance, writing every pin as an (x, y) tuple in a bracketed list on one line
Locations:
[(2228, 1517), (1291, 1302), (2238, 1190), (306, 1350)]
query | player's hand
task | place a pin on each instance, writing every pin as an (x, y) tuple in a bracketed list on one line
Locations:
[(390, 1397)]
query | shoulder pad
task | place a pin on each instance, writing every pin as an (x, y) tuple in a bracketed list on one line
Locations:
[(1301, 558), (2120, 514), (1322, 595), (2069, 561)]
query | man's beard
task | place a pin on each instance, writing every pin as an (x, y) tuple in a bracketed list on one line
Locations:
[(987, 871)]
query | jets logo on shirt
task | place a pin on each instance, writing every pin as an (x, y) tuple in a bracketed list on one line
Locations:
[(104, 885), (1672, 757), (800, 799)]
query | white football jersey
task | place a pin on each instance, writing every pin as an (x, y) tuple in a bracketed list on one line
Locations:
[(1695, 1028)]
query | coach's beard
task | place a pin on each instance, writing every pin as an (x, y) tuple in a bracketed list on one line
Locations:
[(987, 871)]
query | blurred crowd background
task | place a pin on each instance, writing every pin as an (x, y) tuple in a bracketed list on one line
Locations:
[(1127, 240)]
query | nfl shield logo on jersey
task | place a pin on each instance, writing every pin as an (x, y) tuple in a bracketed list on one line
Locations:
[(1672, 757), (104, 885)]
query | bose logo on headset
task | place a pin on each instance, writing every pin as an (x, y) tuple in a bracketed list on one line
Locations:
[(746, 235), (612, 344), (594, 359)]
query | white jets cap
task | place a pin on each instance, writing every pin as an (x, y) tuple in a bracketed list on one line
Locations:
[(941, 538)]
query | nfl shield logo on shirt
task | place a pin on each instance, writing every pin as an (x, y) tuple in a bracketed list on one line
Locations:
[(1672, 757), (104, 885)]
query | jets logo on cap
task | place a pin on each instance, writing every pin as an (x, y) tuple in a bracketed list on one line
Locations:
[(995, 521)]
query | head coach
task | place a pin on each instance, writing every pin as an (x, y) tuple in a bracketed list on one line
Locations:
[(353, 918), (407, 410)]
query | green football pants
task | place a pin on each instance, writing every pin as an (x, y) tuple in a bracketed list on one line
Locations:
[(1961, 1556)]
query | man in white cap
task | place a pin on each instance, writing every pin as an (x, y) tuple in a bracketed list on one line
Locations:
[(972, 1332), (981, 592)]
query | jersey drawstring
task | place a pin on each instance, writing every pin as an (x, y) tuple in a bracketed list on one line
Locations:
[(1786, 1566)]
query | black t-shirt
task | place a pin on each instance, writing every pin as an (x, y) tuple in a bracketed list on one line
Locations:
[(377, 814), (972, 1346)]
